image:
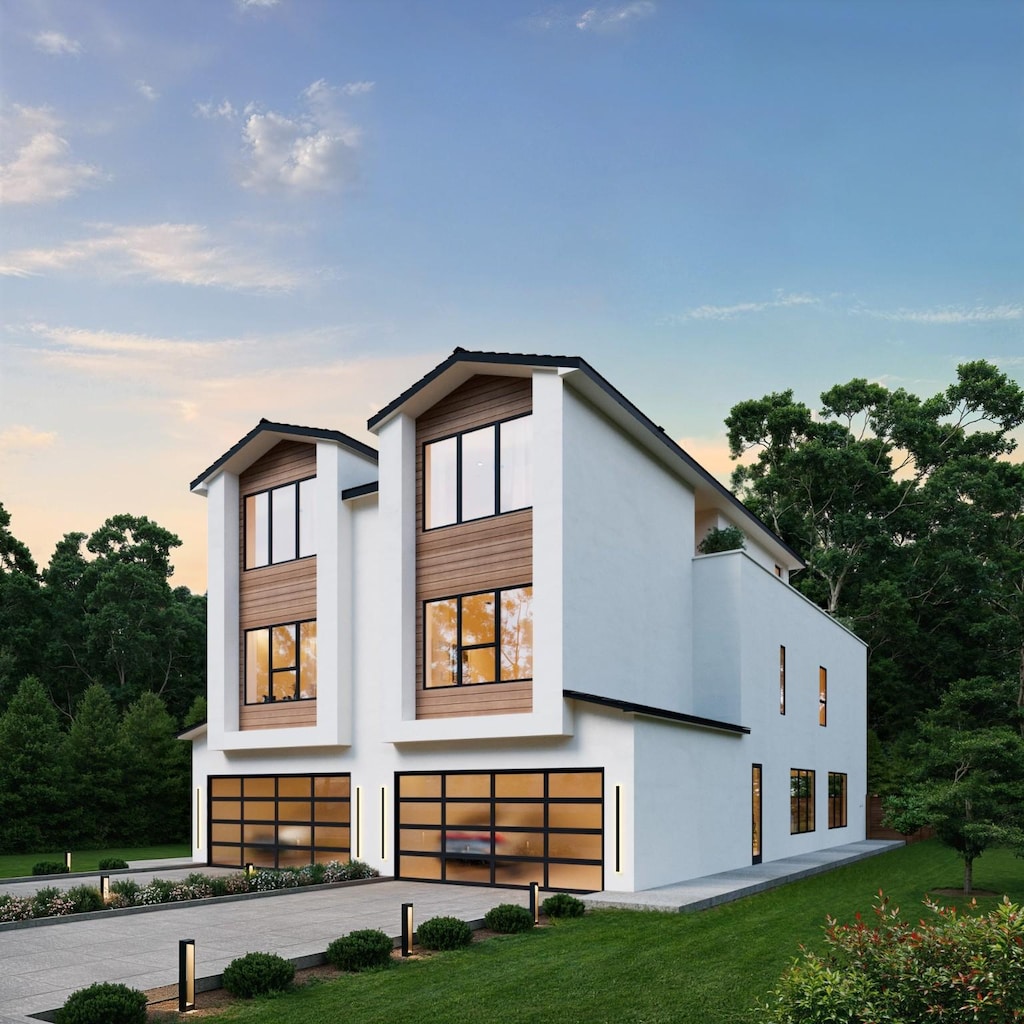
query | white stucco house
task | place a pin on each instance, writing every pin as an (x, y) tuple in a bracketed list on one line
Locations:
[(490, 651)]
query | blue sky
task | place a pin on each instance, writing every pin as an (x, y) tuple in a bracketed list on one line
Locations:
[(217, 210)]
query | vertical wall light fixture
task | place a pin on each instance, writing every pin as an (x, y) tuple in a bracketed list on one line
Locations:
[(186, 975), (407, 929), (383, 822), (535, 901), (358, 844), (618, 828)]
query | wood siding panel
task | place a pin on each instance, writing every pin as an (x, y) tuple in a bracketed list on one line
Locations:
[(279, 715), (285, 462), (278, 593), (483, 554)]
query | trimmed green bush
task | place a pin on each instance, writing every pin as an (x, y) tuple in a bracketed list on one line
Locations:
[(112, 864), (104, 1003), (361, 950), (562, 905), (507, 917), (444, 933), (86, 898), (257, 974), (49, 867)]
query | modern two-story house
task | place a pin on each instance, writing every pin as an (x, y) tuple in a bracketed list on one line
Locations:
[(489, 651)]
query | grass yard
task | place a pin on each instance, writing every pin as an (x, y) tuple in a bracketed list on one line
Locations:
[(14, 865), (631, 966)]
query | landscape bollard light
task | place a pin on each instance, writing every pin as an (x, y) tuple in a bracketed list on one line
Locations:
[(105, 887), (407, 929), (250, 869), (186, 975), (535, 901), (67, 860)]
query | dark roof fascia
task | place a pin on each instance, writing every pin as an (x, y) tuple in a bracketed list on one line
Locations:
[(630, 707), (286, 428), (578, 363), (360, 490)]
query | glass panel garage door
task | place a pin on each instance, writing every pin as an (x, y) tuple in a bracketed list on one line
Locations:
[(503, 828), (279, 821)]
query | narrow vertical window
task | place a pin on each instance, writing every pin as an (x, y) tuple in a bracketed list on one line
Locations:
[(478, 478), (283, 524), (440, 483), (801, 800), (307, 518), (782, 680), (837, 800), (822, 696), (755, 814), (515, 469)]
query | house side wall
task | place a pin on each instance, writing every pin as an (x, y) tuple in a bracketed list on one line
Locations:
[(627, 549)]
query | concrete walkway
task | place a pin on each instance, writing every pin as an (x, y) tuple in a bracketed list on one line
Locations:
[(42, 963)]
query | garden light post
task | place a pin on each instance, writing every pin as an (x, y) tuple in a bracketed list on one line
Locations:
[(105, 887), (186, 975), (535, 901), (407, 929)]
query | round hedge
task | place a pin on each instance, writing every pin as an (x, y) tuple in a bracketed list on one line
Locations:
[(104, 1003), (444, 933), (507, 917), (361, 950), (257, 974)]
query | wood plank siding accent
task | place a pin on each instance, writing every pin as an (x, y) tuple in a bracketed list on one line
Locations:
[(274, 594), (483, 554)]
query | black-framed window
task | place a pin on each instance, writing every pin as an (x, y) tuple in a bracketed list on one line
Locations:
[(801, 800), (280, 662), (472, 639), (478, 473), (782, 680), (280, 524), (756, 774), (837, 799), (822, 695)]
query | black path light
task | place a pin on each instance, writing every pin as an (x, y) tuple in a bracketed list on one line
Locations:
[(407, 929), (186, 975), (67, 860), (105, 888), (535, 901)]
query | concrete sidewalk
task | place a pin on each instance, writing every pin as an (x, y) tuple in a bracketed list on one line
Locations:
[(41, 964)]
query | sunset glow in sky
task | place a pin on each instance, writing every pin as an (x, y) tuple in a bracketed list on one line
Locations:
[(217, 210)]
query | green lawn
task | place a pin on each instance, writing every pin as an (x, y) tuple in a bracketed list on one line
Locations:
[(629, 966), (14, 865)]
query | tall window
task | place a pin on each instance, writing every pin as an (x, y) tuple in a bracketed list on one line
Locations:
[(782, 680), (280, 663), (479, 638), (478, 473), (837, 800), (279, 524), (801, 800), (755, 814), (822, 696)]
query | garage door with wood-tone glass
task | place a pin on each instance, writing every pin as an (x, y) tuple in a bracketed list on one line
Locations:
[(502, 828), (279, 820)]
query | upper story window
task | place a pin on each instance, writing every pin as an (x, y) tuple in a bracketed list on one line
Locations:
[(279, 524), (822, 695), (479, 638), (782, 680), (478, 473), (280, 663)]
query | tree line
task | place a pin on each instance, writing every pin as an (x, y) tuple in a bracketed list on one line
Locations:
[(101, 664)]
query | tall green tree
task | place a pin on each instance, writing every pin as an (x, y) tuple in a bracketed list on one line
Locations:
[(22, 617)]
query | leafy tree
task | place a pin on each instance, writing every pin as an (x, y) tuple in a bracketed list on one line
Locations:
[(726, 538), (32, 782), (968, 783), (21, 611)]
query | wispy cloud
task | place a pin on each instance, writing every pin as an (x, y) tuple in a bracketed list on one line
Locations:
[(21, 439), (310, 151), (357, 88), (171, 253), (256, 5), (56, 44), (617, 16), (212, 111), (147, 91), (780, 301), (948, 314), (36, 164)]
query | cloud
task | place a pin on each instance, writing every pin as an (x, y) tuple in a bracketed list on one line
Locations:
[(357, 88), (313, 151), (19, 439), (56, 44), (225, 110), (948, 315), (256, 5), (608, 19), (146, 90), (36, 164), (168, 253), (781, 301)]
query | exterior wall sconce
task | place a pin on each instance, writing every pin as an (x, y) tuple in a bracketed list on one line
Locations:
[(535, 901), (186, 975), (67, 861), (407, 929), (105, 887)]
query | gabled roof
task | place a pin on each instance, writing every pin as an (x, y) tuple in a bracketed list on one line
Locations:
[(263, 437), (586, 381)]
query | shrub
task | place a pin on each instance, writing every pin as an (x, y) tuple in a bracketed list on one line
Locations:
[(49, 867), (157, 891), (104, 1003), (444, 933), (16, 908), (562, 905), (52, 902), (86, 898), (361, 950), (336, 871), (112, 864), (951, 968), (124, 892), (256, 974), (507, 917)]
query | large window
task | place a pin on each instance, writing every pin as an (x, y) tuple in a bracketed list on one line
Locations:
[(279, 524), (801, 800), (479, 638), (502, 827), (478, 473), (822, 695), (280, 663), (837, 800)]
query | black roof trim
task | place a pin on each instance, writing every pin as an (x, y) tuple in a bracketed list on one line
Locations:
[(360, 490), (461, 355), (644, 709), (287, 428)]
